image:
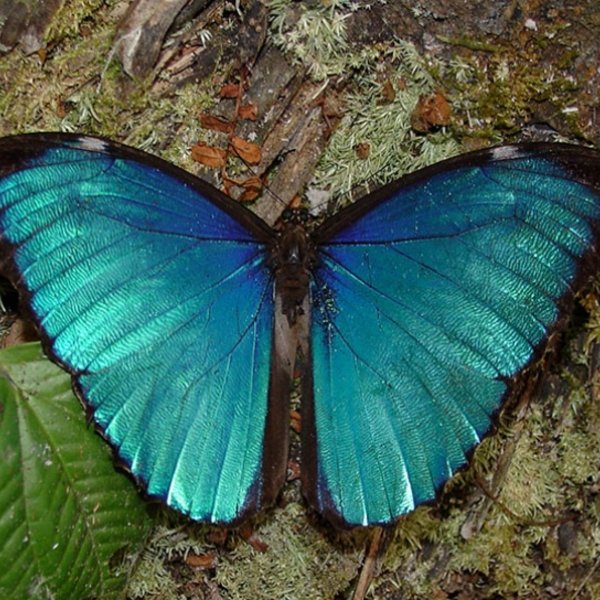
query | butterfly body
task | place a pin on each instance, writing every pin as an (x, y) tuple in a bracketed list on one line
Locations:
[(293, 258), (179, 314)]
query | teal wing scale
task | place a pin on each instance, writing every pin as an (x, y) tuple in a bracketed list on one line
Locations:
[(429, 299), (158, 301)]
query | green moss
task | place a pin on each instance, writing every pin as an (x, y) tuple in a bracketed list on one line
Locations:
[(493, 97), (299, 562), (72, 14), (470, 43), (77, 90), (152, 577), (315, 37)]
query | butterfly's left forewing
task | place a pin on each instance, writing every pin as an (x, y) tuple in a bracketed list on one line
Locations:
[(159, 303), (429, 299)]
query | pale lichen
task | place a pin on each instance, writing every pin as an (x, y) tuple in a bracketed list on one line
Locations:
[(298, 563), (385, 126)]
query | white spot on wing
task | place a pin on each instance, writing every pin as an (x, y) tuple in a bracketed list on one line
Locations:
[(506, 153), (92, 144)]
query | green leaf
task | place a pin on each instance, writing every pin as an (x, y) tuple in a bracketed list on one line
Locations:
[(68, 519)]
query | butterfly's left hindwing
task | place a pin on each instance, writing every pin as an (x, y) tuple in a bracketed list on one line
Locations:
[(426, 307), (158, 302)]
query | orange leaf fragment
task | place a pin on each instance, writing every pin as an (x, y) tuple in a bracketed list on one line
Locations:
[(230, 90), (209, 156), (227, 185), (247, 533), (202, 561), (215, 123), (431, 111), (295, 202), (362, 150), (246, 150), (249, 196), (252, 188), (252, 182), (248, 112)]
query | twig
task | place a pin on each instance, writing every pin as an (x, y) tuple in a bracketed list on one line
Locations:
[(368, 568), (585, 580)]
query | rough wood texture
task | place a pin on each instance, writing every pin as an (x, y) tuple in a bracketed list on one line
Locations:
[(25, 23), (141, 34), (188, 56)]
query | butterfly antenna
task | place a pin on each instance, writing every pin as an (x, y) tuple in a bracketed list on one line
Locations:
[(255, 174)]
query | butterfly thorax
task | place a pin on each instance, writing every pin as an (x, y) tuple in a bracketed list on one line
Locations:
[(292, 258)]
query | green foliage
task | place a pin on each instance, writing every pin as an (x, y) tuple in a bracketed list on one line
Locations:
[(69, 522)]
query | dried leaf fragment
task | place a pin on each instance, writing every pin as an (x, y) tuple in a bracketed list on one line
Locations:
[(295, 421), (202, 561), (252, 188), (247, 151), (230, 90), (362, 150), (216, 123), (247, 533), (431, 111), (227, 186), (248, 112), (209, 156), (296, 202)]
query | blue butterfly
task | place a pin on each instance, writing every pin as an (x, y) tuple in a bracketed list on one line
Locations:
[(179, 314)]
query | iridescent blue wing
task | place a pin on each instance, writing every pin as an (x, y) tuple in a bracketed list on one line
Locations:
[(429, 299), (152, 289)]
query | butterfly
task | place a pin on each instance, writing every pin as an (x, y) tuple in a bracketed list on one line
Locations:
[(180, 315)]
